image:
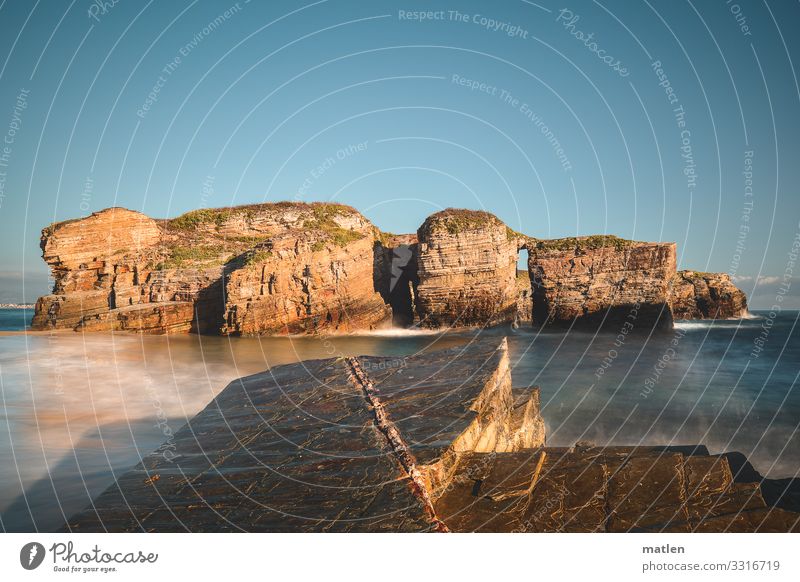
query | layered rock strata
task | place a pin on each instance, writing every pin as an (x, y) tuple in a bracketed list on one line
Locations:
[(524, 313), (696, 295), (291, 268), (466, 266), (437, 441), (306, 283), (601, 281), (269, 268)]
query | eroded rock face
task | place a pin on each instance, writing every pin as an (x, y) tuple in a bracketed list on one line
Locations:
[(466, 269), (601, 281), (524, 313), (696, 295), (120, 270), (305, 268), (300, 283)]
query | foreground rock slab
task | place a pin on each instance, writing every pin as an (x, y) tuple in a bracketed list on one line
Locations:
[(437, 441)]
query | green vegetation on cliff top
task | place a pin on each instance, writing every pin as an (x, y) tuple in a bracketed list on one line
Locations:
[(218, 216), (458, 220), (183, 256), (596, 241), (323, 222)]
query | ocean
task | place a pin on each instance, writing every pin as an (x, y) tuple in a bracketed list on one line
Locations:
[(76, 410)]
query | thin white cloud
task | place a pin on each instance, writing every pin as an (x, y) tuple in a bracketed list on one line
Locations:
[(769, 280)]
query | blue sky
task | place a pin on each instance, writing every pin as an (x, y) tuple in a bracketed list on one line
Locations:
[(556, 117)]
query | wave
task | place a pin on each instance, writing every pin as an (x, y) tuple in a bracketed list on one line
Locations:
[(398, 332), (743, 323)]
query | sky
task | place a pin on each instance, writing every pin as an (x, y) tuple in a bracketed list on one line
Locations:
[(663, 121)]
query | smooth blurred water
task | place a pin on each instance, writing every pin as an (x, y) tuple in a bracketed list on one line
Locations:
[(15, 319), (78, 409)]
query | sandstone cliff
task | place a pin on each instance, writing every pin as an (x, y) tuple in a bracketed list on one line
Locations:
[(307, 281), (601, 280), (467, 268), (696, 295), (306, 268), (120, 270)]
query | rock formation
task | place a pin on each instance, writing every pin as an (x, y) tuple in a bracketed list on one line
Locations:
[(287, 268), (306, 282), (436, 441), (467, 268), (696, 295), (524, 312), (268, 268), (600, 281)]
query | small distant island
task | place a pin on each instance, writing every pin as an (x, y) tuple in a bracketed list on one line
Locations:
[(310, 268)]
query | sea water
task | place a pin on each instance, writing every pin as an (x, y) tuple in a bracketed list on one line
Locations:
[(77, 410)]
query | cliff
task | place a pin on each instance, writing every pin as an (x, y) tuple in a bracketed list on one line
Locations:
[(307, 281), (213, 271), (600, 281), (696, 295), (288, 268), (467, 270), (434, 441)]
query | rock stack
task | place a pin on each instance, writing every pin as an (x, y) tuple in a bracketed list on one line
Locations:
[(290, 268), (467, 269)]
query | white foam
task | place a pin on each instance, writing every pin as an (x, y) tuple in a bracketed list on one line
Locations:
[(399, 332), (742, 323)]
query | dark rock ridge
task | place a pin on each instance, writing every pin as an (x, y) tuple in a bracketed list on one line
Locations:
[(437, 441), (294, 268)]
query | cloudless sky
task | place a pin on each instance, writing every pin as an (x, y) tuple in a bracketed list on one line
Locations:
[(359, 103)]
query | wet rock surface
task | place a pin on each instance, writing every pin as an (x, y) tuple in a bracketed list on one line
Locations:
[(437, 441), (614, 489)]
